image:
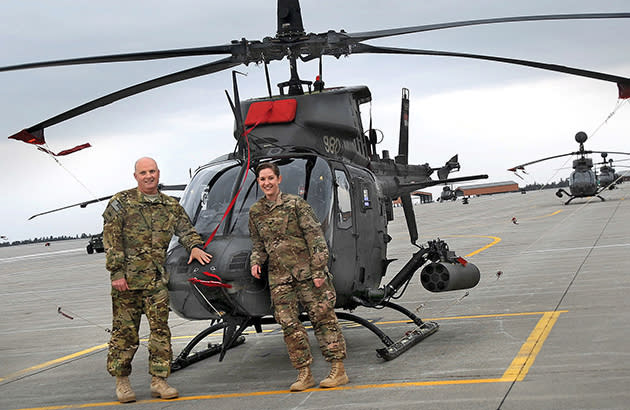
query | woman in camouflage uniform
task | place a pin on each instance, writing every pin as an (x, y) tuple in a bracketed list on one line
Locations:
[(286, 234)]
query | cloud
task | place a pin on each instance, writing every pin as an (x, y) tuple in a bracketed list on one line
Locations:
[(493, 115)]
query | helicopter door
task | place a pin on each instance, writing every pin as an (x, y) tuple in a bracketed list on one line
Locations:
[(369, 230), (344, 247)]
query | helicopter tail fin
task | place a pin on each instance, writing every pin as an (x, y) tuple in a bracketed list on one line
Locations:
[(403, 158), (451, 164), (403, 140)]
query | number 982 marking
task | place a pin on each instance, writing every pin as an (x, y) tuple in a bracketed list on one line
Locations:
[(332, 145)]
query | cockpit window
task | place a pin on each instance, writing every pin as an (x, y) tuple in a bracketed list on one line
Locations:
[(204, 208), (584, 178), (344, 219), (212, 189)]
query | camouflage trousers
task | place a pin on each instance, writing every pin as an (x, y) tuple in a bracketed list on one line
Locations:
[(319, 304), (128, 307)]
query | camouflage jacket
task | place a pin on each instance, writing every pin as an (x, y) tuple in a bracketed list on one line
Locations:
[(136, 234), (288, 234)]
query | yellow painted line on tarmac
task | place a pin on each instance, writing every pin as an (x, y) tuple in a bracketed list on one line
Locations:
[(219, 333), (273, 392), (55, 361), (516, 371), (495, 240), (542, 216), (525, 357), (387, 322), (471, 317), (548, 215)]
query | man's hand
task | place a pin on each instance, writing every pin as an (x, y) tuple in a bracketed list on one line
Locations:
[(319, 282), (120, 284), (200, 256), (256, 271)]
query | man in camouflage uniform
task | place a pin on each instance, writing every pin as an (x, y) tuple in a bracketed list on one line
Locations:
[(286, 233), (138, 226)]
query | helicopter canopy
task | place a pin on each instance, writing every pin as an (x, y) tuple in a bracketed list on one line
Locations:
[(212, 188)]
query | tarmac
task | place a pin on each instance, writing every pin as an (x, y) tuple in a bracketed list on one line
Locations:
[(547, 327)]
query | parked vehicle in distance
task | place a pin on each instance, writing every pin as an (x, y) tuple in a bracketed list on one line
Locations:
[(95, 244)]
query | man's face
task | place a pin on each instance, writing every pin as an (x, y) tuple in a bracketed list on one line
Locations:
[(148, 176), (269, 183)]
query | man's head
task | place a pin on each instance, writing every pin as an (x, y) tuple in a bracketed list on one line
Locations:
[(147, 174), (269, 178)]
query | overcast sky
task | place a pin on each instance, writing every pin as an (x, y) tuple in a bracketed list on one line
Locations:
[(493, 115)]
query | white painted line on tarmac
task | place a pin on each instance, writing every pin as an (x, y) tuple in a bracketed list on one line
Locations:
[(40, 255), (578, 248)]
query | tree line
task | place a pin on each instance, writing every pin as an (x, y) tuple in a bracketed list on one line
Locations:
[(45, 239), (535, 186)]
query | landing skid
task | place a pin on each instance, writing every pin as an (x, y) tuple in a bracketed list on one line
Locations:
[(573, 197), (394, 349), (234, 327), (231, 338)]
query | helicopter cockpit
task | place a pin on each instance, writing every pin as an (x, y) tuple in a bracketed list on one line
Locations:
[(583, 183), (207, 199), (210, 192)]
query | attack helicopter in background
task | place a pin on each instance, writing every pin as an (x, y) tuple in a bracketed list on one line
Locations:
[(326, 154), (447, 194), (608, 176), (583, 181)]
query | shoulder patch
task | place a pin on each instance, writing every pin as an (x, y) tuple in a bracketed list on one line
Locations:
[(113, 209)]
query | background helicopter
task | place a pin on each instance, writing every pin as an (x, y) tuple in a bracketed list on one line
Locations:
[(608, 176), (447, 194), (370, 181), (583, 182)]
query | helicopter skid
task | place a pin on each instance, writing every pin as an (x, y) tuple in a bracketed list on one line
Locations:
[(410, 339), (213, 349), (185, 358), (394, 349)]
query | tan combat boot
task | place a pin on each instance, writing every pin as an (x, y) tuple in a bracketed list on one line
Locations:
[(123, 390), (337, 375), (304, 380), (159, 388)]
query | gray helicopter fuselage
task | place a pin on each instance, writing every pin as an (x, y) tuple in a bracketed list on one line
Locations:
[(345, 200)]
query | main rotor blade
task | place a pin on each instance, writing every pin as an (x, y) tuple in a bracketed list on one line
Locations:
[(81, 204), (433, 182), (161, 187), (148, 55), (613, 152), (204, 69), (368, 35), (522, 166), (620, 81)]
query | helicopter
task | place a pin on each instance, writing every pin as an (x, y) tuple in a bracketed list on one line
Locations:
[(608, 176), (447, 194), (315, 134), (583, 181)]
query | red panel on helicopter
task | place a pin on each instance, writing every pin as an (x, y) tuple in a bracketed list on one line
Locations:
[(66, 151), (271, 112), (36, 137)]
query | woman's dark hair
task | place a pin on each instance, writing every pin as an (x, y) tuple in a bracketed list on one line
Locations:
[(268, 165)]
